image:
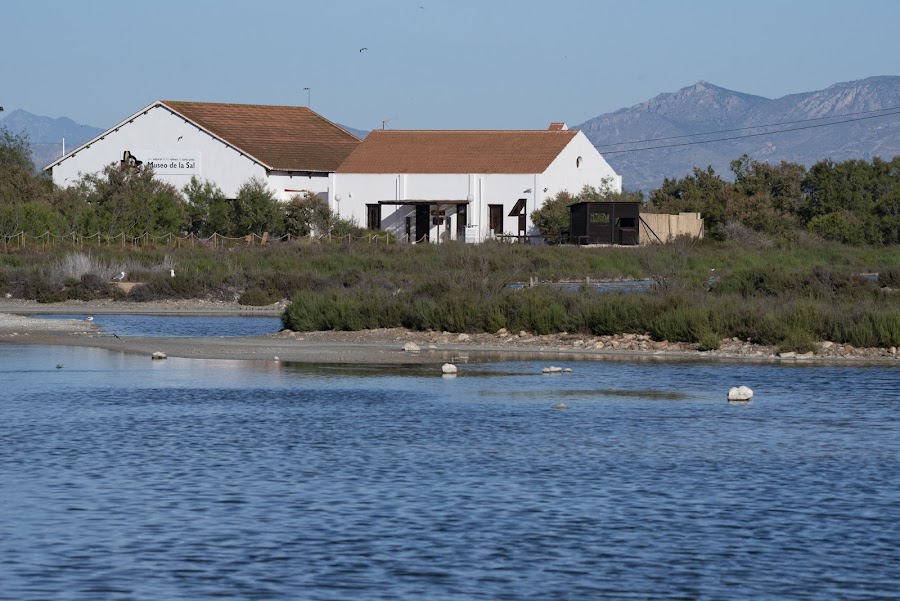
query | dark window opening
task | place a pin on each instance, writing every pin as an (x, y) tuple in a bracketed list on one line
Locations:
[(495, 218), (625, 222), (423, 223), (599, 217), (462, 215), (373, 217)]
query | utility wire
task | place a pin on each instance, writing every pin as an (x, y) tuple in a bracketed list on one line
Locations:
[(767, 133), (725, 131)]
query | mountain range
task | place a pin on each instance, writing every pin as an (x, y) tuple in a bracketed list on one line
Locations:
[(48, 135), (683, 122), (667, 136)]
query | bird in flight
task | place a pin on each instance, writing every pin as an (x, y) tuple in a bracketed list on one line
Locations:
[(361, 49)]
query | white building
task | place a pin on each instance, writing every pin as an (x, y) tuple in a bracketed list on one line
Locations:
[(292, 148), (447, 185)]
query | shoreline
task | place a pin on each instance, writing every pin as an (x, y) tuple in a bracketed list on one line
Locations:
[(386, 346)]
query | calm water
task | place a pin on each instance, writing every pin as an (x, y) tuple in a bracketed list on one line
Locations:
[(125, 478), (178, 325)]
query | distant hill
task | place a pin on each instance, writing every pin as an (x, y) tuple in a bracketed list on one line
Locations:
[(46, 134), (359, 133), (704, 107)]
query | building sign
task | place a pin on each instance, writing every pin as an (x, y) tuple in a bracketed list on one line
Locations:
[(174, 162)]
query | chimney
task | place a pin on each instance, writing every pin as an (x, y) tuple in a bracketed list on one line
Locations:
[(558, 126)]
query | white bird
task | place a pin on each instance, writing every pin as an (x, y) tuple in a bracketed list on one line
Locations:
[(120, 277), (89, 318), (172, 273)]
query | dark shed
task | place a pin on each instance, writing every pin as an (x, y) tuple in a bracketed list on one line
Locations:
[(605, 223)]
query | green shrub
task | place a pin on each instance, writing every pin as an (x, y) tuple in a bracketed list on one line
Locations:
[(686, 323), (258, 297), (889, 277)]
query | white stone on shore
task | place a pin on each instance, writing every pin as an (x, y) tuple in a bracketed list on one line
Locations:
[(158, 355), (448, 369), (411, 347), (463, 337), (552, 370), (740, 393)]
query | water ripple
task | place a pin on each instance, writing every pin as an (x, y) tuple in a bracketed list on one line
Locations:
[(321, 485)]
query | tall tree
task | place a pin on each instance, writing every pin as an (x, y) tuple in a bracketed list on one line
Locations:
[(256, 210)]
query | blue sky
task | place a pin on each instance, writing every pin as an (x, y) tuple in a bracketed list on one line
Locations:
[(429, 64)]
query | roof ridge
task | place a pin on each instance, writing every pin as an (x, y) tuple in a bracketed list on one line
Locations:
[(254, 105), (478, 131)]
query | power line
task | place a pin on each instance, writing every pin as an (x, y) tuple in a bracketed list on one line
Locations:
[(725, 131), (767, 133)]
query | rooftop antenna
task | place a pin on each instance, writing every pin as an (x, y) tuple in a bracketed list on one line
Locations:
[(388, 120)]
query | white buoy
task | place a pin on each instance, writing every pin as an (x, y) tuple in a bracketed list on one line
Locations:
[(740, 393)]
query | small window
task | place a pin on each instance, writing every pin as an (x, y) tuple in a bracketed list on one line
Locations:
[(625, 222), (578, 162), (599, 217)]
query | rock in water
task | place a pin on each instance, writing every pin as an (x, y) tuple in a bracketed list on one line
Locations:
[(740, 393), (158, 355), (448, 368), (411, 347)]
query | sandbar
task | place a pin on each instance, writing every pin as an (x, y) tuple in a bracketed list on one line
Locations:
[(383, 346)]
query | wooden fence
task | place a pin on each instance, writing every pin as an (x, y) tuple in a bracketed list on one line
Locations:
[(146, 240)]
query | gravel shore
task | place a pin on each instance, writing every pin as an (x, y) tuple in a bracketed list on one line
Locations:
[(382, 346)]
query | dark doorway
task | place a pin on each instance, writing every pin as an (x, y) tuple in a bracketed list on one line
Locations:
[(495, 218), (423, 223), (373, 217), (462, 215)]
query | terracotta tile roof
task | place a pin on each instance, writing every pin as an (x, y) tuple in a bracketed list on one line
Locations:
[(284, 138), (399, 151)]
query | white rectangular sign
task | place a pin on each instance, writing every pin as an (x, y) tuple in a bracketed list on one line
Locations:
[(166, 162)]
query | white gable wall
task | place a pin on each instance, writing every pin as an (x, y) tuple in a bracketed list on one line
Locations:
[(566, 172), (158, 131)]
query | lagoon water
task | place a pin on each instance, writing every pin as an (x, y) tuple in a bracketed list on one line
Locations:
[(125, 478)]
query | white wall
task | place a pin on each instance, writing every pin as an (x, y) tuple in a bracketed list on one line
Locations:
[(566, 172), (160, 132), (358, 190), (286, 185)]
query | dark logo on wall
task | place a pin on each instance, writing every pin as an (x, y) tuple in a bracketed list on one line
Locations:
[(129, 160)]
